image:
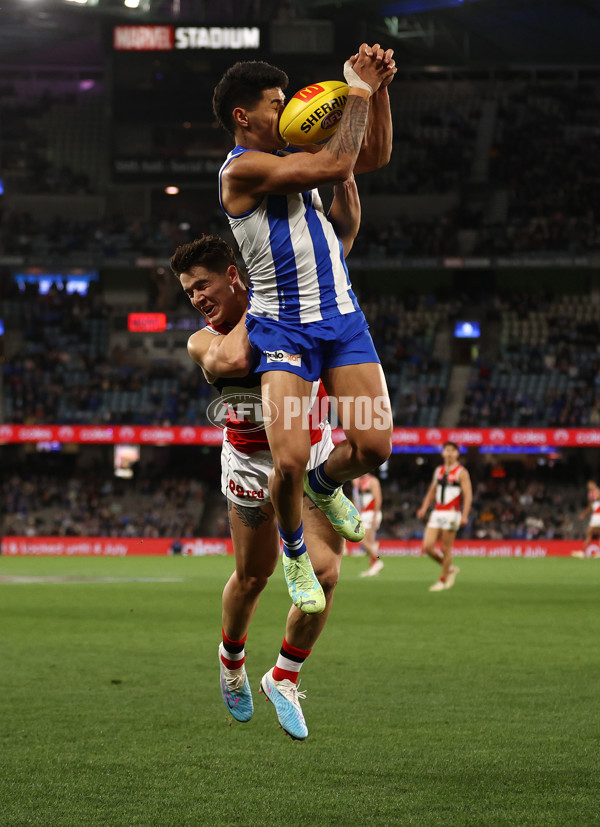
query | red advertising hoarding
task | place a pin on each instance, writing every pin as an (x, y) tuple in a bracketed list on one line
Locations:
[(202, 546), (146, 322), (211, 435)]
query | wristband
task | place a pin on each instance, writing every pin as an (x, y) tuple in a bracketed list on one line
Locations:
[(352, 79)]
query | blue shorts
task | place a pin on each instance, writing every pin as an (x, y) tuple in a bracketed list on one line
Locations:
[(309, 349)]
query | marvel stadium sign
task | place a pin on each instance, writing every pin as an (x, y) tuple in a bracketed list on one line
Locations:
[(168, 38)]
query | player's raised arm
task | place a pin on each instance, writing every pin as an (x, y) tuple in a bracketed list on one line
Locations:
[(255, 174), (344, 213), (376, 148), (222, 356)]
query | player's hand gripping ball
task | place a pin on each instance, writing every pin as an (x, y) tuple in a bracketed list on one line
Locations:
[(314, 113)]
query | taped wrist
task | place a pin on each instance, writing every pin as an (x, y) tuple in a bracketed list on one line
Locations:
[(352, 79)]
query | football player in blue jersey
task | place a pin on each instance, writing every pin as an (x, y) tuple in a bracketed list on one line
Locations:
[(304, 321)]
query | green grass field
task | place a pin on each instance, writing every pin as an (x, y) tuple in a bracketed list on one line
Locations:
[(476, 706)]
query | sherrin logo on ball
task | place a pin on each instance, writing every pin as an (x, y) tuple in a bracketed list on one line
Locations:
[(313, 114)]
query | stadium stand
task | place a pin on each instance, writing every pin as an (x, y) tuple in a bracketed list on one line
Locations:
[(547, 370)]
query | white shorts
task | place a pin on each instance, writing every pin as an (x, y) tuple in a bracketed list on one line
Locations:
[(245, 477), (446, 520), (595, 520), (371, 519)]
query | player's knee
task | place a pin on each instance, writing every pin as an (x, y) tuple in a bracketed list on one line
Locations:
[(328, 578), (253, 584), (290, 467), (375, 452)]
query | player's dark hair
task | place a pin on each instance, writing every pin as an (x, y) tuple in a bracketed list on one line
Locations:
[(209, 251), (243, 85), (453, 444)]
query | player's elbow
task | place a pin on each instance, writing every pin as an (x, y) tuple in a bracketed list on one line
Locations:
[(385, 158), (230, 366), (241, 364), (382, 158), (194, 352), (337, 168)]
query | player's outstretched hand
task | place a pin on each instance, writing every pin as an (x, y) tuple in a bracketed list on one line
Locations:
[(373, 65)]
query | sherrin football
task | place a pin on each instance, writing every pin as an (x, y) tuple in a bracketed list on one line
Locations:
[(314, 113)]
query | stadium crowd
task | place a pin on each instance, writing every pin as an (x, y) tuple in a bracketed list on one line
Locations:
[(521, 505), (97, 505)]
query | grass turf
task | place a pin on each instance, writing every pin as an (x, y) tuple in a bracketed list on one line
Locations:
[(476, 706)]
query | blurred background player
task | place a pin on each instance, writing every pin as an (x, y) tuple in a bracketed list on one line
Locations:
[(304, 320), (368, 499), (591, 549), (208, 274), (452, 494)]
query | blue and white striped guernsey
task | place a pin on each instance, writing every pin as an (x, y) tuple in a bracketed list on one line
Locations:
[(294, 258)]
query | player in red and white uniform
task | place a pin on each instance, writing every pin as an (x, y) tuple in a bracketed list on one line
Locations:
[(208, 274), (368, 499), (591, 546), (452, 494)]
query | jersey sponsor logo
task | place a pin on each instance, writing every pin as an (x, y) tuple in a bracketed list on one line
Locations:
[(245, 493), (281, 356)]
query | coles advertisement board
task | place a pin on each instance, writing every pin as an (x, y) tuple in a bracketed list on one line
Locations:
[(212, 435)]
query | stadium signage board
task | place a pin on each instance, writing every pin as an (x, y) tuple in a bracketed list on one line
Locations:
[(160, 38), (482, 438), (146, 322), (19, 546)]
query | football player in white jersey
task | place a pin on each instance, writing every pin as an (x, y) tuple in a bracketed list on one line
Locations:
[(451, 493), (368, 498), (207, 271), (590, 548), (303, 319)]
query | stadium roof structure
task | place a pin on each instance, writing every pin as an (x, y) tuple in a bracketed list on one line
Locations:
[(424, 32), (462, 32)]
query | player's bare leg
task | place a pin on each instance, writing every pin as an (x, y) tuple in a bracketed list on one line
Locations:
[(363, 399), (286, 400), (289, 441), (589, 536), (365, 414), (371, 546), (256, 548), (325, 548), (280, 684), (430, 539), (446, 543)]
